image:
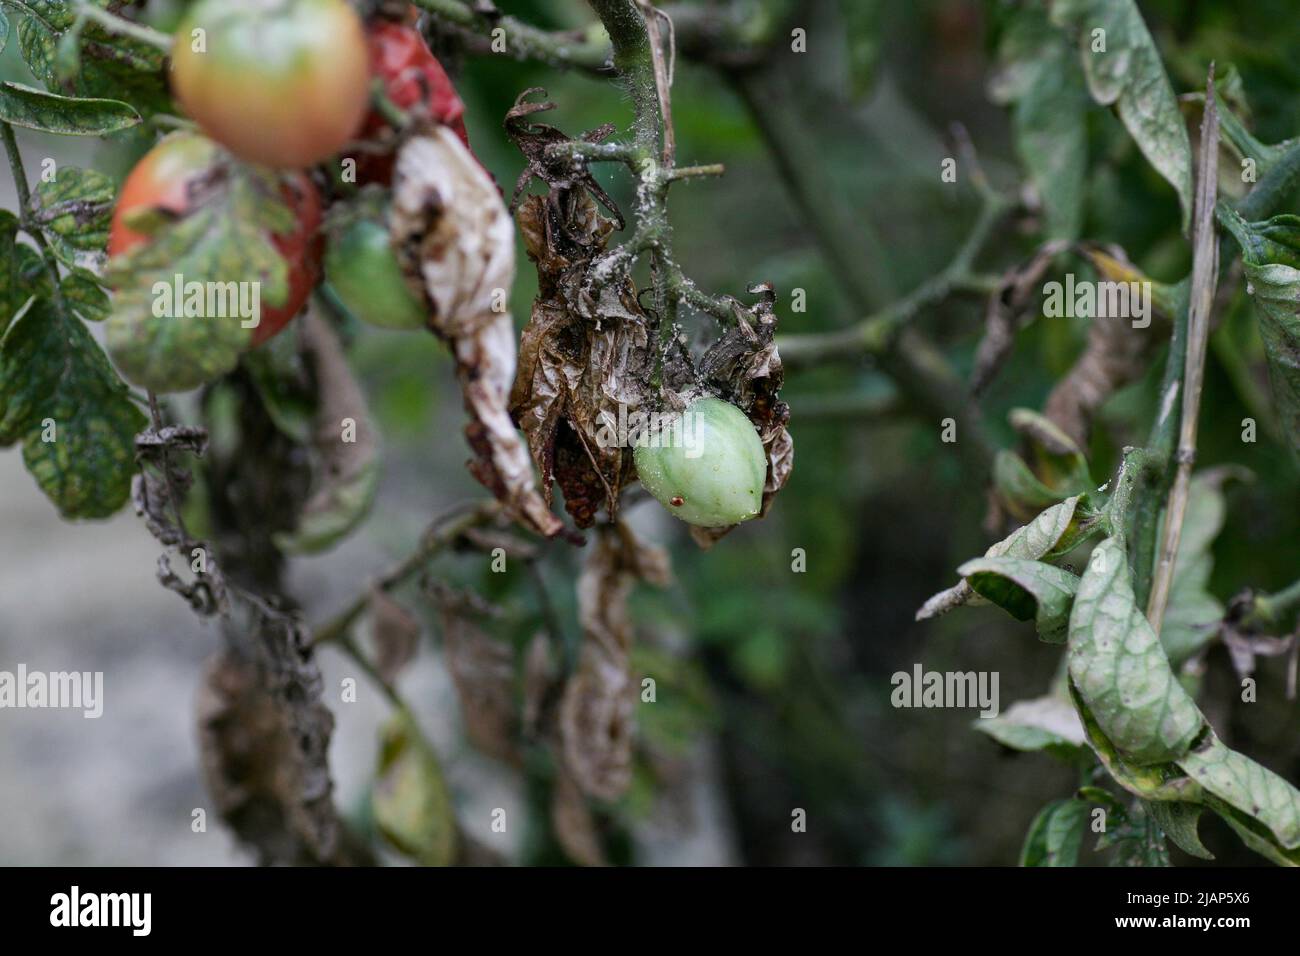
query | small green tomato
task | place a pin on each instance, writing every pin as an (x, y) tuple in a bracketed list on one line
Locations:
[(706, 467), (360, 265)]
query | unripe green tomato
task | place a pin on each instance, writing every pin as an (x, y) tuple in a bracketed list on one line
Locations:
[(707, 470), (360, 265)]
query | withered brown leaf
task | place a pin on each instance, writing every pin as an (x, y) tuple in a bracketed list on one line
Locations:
[(597, 709), (451, 229)]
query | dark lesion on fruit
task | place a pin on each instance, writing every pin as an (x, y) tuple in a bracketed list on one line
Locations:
[(677, 501)]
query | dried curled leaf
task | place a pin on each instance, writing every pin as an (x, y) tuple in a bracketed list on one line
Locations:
[(483, 670), (596, 712), (451, 230), (745, 367), (395, 633), (585, 361)]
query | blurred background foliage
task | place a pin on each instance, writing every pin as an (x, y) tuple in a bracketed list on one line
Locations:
[(787, 674)]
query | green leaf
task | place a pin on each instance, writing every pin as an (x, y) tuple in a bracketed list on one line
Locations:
[(1026, 590), (50, 113), (22, 271), (1052, 534), (1042, 78), (1045, 723), (1056, 834), (862, 42), (1270, 253), (224, 245), (61, 398), (1128, 75), (1019, 488), (1193, 613), (76, 210), (4, 30), (1178, 820), (82, 292), (1120, 670), (411, 805), (108, 65), (1256, 793), (1140, 841)]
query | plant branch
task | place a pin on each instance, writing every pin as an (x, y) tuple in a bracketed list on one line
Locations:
[(873, 334), (121, 26), (439, 535), (1205, 271)]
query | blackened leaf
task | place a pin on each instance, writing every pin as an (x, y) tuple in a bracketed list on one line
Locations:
[(1027, 590), (411, 804), (22, 272), (1128, 75), (1119, 668), (60, 397), (50, 113)]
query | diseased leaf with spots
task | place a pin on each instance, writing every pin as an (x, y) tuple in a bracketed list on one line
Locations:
[(1129, 76), (1027, 590), (36, 109), (75, 210), (101, 64), (22, 272), (60, 397), (1269, 804), (83, 294), (1045, 723), (223, 242), (1119, 668)]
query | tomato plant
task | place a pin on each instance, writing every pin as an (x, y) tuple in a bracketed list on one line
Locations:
[(282, 83), (170, 179), (1115, 476)]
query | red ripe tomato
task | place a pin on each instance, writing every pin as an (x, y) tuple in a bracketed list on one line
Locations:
[(171, 174), (281, 83), (414, 81)]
